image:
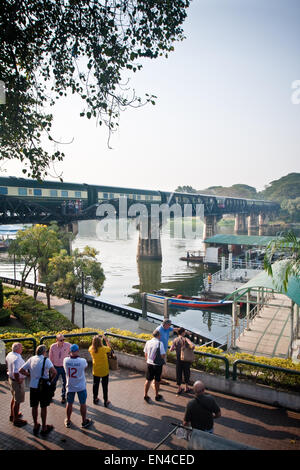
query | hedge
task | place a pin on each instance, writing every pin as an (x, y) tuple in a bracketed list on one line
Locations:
[(39, 322), (211, 365)]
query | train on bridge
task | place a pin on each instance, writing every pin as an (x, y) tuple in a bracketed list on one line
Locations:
[(59, 199)]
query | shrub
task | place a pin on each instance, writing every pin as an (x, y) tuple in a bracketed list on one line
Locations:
[(9, 291), (35, 316), (4, 316)]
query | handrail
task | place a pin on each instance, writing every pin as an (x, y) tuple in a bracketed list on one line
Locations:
[(139, 340), (199, 353), (263, 366), (217, 356), (129, 338), (68, 335), (18, 340)]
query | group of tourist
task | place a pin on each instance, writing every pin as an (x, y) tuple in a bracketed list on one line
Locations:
[(64, 361)]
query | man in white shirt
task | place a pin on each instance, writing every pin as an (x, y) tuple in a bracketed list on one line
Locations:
[(76, 383), (155, 355), (33, 369), (14, 362)]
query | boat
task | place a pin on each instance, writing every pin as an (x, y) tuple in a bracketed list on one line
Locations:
[(183, 301), (194, 257)]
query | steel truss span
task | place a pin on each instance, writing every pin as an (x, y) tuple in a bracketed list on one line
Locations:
[(31, 201)]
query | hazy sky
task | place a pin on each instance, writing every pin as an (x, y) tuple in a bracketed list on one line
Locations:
[(224, 113)]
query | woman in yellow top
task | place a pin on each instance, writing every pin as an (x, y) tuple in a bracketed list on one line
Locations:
[(100, 367)]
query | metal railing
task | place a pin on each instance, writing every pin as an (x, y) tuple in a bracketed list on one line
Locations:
[(200, 353), (20, 340), (139, 340), (69, 335), (238, 273), (260, 366)]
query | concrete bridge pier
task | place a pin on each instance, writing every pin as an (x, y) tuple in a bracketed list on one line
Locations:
[(263, 219), (240, 223), (210, 226), (252, 223), (149, 244), (71, 227)]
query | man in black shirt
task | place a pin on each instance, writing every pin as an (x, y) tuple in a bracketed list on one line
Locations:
[(202, 410)]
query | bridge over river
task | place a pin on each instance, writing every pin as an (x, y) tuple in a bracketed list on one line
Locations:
[(30, 201)]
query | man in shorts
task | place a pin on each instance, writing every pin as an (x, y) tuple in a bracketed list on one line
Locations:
[(14, 362), (33, 369), (76, 383), (154, 367)]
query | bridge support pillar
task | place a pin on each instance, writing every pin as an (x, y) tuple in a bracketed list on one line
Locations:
[(149, 247), (71, 227), (210, 226), (263, 219), (252, 223), (240, 223)]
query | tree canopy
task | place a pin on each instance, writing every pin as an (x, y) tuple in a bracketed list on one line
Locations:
[(66, 272), (286, 187), (289, 245), (34, 246), (53, 48)]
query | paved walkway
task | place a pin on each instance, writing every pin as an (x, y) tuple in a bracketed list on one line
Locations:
[(270, 331), (94, 317), (132, 424)]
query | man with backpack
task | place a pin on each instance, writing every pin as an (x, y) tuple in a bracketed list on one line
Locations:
[(155, 356)]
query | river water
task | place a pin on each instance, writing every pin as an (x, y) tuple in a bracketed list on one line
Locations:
[(127, 278)]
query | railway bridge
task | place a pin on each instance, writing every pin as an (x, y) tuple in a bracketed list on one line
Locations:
[(30, 201)]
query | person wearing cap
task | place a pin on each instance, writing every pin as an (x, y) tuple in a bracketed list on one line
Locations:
[(76, 383), (14, 362), (33, 368), (165, 329), (58, 351)]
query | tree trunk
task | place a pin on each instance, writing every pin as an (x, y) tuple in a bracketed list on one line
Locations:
[(48, 295), (73, 311), (35, 288)]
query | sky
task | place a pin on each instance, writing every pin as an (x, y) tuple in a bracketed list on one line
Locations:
[(225, 112)]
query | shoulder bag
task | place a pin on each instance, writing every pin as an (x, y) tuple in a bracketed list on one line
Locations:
[(158, 360), (45, 386), (112, 360), (187, 353)]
